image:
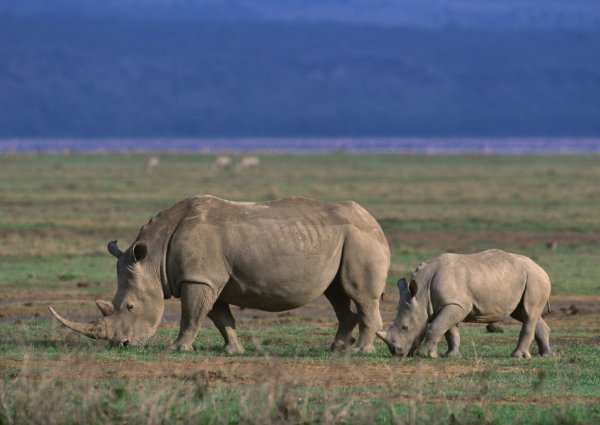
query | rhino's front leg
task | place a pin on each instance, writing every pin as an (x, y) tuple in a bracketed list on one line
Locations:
[(197, 299), (448, 317)]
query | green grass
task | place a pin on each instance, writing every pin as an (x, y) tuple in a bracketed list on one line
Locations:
[(57, 212), (490, 387)]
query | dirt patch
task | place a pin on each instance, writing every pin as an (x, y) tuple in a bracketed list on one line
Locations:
[(457, 241), (79, 305), (270, 371)]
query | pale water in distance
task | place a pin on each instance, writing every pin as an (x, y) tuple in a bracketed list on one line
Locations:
[(307, 145)]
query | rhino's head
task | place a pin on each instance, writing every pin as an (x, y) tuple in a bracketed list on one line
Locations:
[(408, 330), (136, 310)]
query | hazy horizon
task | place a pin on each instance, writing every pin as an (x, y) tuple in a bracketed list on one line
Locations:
[(246, 68)]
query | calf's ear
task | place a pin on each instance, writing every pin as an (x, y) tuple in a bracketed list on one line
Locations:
[(413, 288), (406, 291), (139, 250), (401, 284)]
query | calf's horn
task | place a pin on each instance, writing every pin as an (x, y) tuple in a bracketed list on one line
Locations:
[(114, 249), (383, 335), (94, 330)]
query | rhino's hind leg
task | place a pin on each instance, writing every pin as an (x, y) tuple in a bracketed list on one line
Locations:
[(197, 300), (362, 276), (369, 322), (453, 341), (542, 338), (225, 323), (347, 319)]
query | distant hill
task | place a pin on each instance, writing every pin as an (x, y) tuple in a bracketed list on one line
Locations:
[(484, 14), (334, 68)]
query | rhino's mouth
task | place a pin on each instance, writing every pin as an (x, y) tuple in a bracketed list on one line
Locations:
[(127, 342), (400, 353)]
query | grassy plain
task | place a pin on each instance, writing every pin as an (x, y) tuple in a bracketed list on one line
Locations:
[(57, 212)]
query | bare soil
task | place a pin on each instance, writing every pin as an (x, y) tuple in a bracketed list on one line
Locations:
[(457, 241), (22, 304), (261, 370), (17, 305)]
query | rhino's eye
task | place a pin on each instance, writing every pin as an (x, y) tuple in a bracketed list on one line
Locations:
[(129, 306), (404, 327)]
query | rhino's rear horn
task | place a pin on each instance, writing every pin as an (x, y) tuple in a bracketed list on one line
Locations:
[(94, 330), (106, 308), (114, 249)]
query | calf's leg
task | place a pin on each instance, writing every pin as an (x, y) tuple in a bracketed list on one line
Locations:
[(542, 338), (453, 341), (529, 317), (225, 323), (447, 318), (525, 337)]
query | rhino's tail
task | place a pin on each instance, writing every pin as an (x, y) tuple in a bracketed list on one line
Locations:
[(548, 305)]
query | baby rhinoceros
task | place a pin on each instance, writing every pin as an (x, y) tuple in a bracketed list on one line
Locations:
[(485, 287)]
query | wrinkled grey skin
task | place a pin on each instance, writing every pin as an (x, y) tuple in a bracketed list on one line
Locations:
[(486, 287), (272, 256)]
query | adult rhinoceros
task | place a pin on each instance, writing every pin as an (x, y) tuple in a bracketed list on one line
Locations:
[(485, 287), (271, 256)]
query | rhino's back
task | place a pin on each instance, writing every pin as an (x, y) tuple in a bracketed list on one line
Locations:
[(217, 211), (490, 283)]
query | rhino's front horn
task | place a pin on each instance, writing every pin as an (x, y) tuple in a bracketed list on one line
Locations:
[(383, 335), (94, 330), (114, 249)]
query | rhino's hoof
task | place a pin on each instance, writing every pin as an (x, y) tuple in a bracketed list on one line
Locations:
[(232, 349), (432, 355), (369, 349), (453, 353), (339, 345), (521, 354), (547, 354), (181, 347)]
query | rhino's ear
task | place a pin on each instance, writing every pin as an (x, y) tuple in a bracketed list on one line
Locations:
[(413, 288), (138, 252), (113, 248)]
